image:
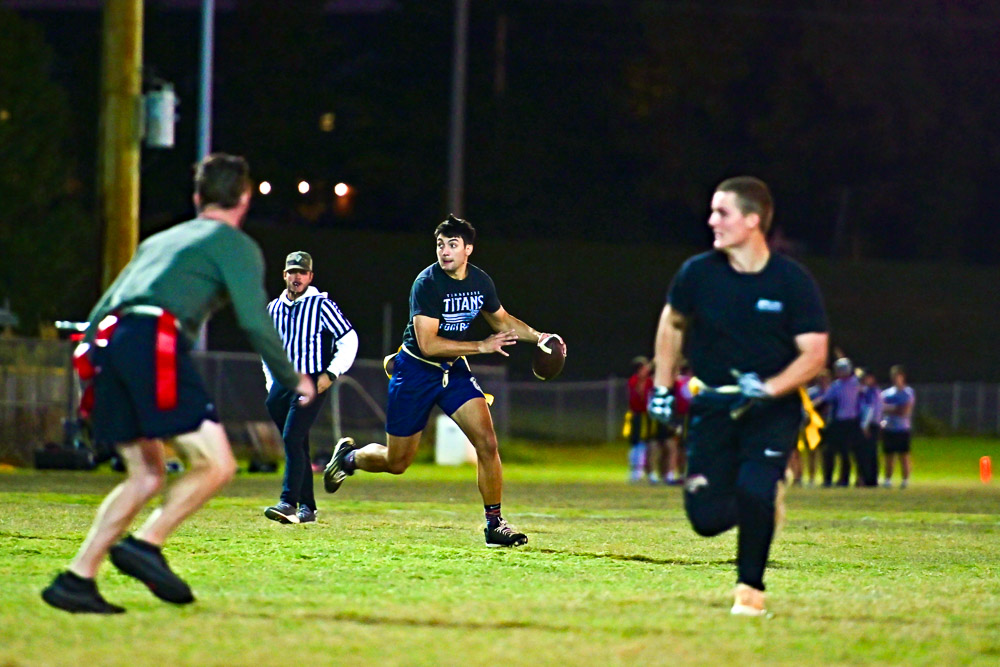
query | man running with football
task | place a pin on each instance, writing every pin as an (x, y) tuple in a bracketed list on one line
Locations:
[(430, 369)]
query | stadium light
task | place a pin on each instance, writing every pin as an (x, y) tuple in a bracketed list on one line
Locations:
[(341, 189), (265, 188), (303, 187)]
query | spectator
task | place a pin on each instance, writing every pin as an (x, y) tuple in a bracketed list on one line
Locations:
[(871, 415), (637, 425), (816, 392), (843, 430), (897, 425), (677, 455)]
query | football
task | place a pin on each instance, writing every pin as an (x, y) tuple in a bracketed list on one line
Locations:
[(549, 357)]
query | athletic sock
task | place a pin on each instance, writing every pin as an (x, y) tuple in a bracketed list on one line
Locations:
[(637, 459), (349, 465), (492, 515)]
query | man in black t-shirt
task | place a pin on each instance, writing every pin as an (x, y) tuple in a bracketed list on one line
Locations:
[(430, 368), (753, 328)]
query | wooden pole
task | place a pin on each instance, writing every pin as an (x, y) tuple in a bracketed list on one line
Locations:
[(121, 133)]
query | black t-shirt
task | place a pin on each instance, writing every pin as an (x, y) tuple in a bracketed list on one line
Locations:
[(455, 303), (744, 321)]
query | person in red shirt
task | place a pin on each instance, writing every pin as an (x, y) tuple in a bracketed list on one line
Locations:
[(675, 445), (640, 384)]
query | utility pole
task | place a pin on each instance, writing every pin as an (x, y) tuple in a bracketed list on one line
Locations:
[(120, 133)]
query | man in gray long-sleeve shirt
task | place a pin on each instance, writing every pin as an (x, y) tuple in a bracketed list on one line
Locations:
[(145, 388)]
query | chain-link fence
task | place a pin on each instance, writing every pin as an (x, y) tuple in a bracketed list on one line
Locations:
[(38, 391)]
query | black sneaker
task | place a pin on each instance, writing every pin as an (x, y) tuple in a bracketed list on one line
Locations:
[(145, 562), (282, 513), (306, 515), (78, 595), (334, 474), (502, 535)]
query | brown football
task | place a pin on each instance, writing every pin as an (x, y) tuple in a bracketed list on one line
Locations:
[(549, 357)]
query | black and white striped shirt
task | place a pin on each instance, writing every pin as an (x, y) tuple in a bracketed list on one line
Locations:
[(309, 328)]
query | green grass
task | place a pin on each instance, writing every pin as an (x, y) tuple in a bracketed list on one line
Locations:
[(395, 573)]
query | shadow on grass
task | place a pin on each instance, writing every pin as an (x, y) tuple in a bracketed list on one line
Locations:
[(638, 558), (499, 624)]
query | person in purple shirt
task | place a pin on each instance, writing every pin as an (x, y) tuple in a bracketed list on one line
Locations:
[(871, 415), (897, 408), (843, 430)]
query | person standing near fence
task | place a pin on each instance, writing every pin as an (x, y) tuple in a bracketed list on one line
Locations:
[(145, 388), (322, 344), (842, 438), (430, 369), (871, 417), (754, 330), (897, 425), (637, 424)]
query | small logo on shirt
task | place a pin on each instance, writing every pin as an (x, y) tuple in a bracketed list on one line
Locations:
[(768, 306)]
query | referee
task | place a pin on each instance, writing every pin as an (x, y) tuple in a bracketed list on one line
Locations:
[(754, 330), (320, 343)]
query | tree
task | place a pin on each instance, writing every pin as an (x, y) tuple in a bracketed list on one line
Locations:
[(48, 247)]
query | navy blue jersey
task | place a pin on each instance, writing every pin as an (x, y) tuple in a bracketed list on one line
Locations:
[(454, 303), (744, 321)]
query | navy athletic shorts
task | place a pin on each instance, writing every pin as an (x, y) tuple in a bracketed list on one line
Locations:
[(895, 442), (416, 387), (125, 402)]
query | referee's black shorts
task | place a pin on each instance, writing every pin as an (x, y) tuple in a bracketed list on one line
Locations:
[(125, 402)]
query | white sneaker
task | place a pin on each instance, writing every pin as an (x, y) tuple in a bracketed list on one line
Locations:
[(904, 484), (749, 602)]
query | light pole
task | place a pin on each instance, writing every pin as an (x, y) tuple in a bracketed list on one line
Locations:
[(456, 140), (205, 109)]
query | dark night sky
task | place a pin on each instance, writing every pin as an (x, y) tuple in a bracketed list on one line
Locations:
[(588, 121), (872, 121)]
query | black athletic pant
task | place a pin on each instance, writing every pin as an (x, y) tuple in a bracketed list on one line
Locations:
[(733, 467), (866, 457), (839, 442), (294, 421)]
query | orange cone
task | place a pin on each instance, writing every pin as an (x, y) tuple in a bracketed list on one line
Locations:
[(985, 469)]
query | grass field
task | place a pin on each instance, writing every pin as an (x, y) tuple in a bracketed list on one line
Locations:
[(395, 573)]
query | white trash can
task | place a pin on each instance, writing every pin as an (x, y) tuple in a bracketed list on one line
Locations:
[(451, 447)]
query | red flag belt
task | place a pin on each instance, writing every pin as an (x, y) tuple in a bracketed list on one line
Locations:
[(85, 366), (166, 362)]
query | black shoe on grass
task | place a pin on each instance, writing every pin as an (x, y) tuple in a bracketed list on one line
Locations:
[(144, 561), (334, 474), (282, 513), (502, 535), (306, 515), (78, 596)]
